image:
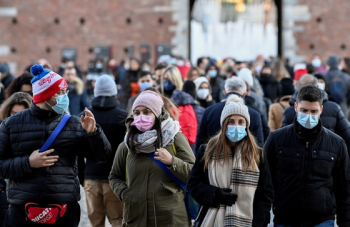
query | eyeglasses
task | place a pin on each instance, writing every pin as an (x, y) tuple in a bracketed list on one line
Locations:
[(62, 92)]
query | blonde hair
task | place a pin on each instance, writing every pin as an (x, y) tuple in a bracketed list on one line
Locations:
[(279, 70), (174, 76), (250, 151)]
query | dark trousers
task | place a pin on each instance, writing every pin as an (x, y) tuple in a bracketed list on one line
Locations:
[(16, 217), (3, 206)]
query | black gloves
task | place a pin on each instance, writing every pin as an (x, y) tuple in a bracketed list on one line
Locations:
[(224, 196)]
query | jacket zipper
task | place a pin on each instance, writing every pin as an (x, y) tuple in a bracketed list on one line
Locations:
[(304, 171)]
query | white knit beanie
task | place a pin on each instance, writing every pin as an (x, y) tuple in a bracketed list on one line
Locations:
[(235, 105), (198, 82), (246, 75)]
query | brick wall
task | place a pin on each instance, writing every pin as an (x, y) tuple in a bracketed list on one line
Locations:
[(327, 30), (42, 28)]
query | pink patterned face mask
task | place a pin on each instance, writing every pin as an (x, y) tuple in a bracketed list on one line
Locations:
[(143, 123)]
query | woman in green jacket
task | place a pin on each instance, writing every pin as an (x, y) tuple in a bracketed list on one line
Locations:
[(151, 197)]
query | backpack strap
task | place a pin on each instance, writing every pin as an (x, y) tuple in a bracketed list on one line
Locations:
[(55, 133)]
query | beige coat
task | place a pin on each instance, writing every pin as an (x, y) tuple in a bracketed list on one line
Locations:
[(276, 113)]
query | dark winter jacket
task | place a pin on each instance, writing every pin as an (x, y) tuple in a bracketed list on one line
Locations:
[(332, 118), (310, 172), (249, 101), (26, 132), (77, 98), (210, 124), (204, 193), (130, 77), (112, 121), (203, 103), (335, 73), (217, 87), (269, 85)]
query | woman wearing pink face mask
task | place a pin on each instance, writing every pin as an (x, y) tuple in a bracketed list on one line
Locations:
[(151, 196)]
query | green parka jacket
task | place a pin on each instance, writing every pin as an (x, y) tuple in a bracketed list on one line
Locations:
[(151, 197)]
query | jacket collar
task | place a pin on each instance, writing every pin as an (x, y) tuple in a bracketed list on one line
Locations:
[(231, 93), (104, 102), (285, 98), (308, 135), (43, 114)]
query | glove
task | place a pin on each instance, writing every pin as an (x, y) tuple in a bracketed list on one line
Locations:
[(225, 196)]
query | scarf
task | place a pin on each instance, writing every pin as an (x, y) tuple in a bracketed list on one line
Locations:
[(230, 174), (144, 142)]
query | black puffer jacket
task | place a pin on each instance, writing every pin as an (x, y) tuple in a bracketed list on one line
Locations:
[(310, 173), (112, 120), (27, 131), (332, 118)]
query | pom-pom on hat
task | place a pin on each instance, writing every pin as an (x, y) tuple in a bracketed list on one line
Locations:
[(151, 100), (45, 83), (235, 105)]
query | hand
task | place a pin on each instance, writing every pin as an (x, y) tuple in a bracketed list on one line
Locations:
[(226, 197), (164, 156), (38, 160), (209, 98), (88, 122)]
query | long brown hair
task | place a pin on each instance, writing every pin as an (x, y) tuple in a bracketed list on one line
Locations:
[(169, 105), (18, 98), (250, 151), (279, 71)]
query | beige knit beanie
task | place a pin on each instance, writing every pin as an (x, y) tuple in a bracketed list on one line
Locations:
[(235, 105)]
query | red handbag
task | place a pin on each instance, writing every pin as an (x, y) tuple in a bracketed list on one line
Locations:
[(45, 214)]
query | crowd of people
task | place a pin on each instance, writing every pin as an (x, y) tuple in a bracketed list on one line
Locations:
[(244, 137)]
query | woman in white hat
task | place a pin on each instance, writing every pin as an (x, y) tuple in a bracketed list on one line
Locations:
[(231, 178)]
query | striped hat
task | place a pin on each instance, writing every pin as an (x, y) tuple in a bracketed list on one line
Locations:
[(45, 83)]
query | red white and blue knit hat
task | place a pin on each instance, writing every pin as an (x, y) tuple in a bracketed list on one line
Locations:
[(45, 83)]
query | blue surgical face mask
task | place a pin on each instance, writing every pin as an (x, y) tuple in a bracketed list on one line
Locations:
[(236, 133), (308, 121), (168, 86), (212, 73), (316, 62), (99, 66), (62, 104), (143, 86)]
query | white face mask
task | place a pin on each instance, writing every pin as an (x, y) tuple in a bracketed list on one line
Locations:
[(321, 86), (203, 93)]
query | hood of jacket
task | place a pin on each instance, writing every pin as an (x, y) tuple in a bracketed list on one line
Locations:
[(104, 102), (77, 86), (293, 99), (333, 62), (267, 79), (182, 98)]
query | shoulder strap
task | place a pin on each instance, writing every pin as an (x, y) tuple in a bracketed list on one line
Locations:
[(167, 171), (54, 134), (174, 149), (282, 105)]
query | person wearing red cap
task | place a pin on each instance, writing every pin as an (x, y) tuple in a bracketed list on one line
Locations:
[(48, 177)]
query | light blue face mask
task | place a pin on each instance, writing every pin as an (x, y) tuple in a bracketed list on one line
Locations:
[(236, 133), (62, 104), (308, 121), (212, 73), (143, 86)]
